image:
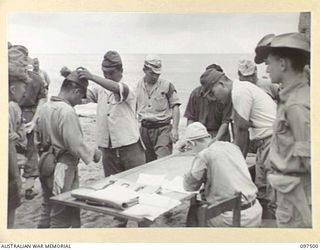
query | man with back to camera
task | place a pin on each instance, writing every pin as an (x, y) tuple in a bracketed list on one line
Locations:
[(247, 71), (223, 170), (34, 97)]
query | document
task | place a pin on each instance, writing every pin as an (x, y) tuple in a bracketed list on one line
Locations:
[(150, 179), (152, 206), (174, 185), (114, 196)]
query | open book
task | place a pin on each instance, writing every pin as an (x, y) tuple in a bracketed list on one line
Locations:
[(113, 196)]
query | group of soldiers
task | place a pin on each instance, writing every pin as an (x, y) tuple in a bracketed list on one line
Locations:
[(140, 124)]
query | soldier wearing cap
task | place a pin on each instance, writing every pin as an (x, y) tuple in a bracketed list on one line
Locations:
[(34, 97), (117, 127), (222, 169), (43, 74), (253, 115), (58, 130), (213, 115), (290, 166), (247, 71), (157, 104), (18, 80)]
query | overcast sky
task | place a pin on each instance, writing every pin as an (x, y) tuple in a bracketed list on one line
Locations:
[(96, 32)]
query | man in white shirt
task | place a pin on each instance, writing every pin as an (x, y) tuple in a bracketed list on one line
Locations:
[(222, 169), (253, 115)]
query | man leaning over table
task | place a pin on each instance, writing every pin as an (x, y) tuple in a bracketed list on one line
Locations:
[(58, 130), (222, 169)]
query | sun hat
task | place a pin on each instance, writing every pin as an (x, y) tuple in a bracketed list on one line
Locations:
[(246, 67), (294, 41), (266, 40), (153, 62), (196, 130)]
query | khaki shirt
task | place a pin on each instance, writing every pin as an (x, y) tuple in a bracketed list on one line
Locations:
[(223, 170), (117, 124), (290, 145), (17, 131), (58, 125), (156, 105)]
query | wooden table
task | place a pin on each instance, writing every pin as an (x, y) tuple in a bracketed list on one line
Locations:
[(170, 166)]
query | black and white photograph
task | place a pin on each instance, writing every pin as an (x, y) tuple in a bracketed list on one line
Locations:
[(161, 120)]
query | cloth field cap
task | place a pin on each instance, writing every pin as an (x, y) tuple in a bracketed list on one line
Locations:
[(209, 78), (246, 67), (294, 41), (18, 72), (266, 40), (19, 56), (196, 130), (111, 60), (74, 77), (153, 62)]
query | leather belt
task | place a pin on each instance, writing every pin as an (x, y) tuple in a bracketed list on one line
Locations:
[(248, 205)]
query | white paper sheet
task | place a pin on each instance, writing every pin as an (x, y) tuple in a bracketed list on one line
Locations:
[(152, 206), (175, 185), (150, 179)]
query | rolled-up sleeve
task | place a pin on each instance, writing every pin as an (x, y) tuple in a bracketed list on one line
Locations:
[(196, 176), (173, 96), (242, 102), (191, 112)]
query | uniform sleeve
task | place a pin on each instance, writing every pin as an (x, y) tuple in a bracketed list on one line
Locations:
[(43, 93), (12, 121), (126, 93), (46, 76), (299, 121), (191, 112), (227, 112), (242, 102), (172, 96), (73, 138), (196, 176)]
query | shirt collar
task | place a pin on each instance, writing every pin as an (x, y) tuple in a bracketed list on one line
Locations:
[(59, 99), (286, 91)]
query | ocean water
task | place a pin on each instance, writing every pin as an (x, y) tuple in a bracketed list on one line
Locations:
[(183, 70)]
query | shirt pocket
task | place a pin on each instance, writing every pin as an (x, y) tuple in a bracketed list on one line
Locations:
[(160, 102)]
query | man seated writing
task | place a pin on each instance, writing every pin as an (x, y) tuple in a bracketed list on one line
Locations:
[(222, 169)]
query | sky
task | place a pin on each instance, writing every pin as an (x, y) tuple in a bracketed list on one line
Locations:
[(96, 32)]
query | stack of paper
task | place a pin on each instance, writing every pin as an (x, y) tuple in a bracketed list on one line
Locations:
[(152, 206), (114, 196)]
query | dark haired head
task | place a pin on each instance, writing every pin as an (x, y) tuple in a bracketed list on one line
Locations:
[(215, 66)]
